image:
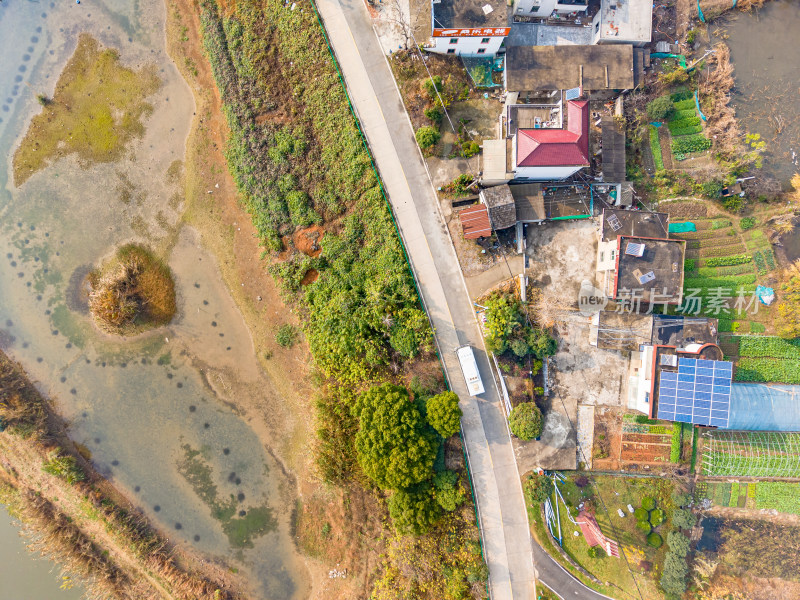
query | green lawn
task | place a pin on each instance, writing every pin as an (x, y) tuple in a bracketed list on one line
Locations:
[(618, 492)]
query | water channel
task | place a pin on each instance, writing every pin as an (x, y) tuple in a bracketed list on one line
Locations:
[(766, 57), (156, 412)]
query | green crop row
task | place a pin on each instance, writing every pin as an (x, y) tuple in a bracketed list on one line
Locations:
[(769, 347), (655, 149), (769, 257), (734, 270), (675, 447), (734, 499), (690, 143), (720, 223), (761, 264), (721, 251), (780, 496), (722, 281), (688, 130), (689, 265), (773, 370), (683, 114), (689, 122), (726, 261), (685, 105)]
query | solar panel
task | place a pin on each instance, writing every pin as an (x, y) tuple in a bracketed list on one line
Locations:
[(634, 249), (699, 393), (572, 94)]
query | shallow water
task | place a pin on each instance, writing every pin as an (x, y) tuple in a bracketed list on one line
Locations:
[(766, 57), (137, 405), (23, 577)]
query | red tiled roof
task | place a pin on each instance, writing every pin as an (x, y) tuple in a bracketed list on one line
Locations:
[(557, 147), (475, 221)]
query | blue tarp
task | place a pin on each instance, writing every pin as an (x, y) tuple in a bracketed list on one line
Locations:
[(682, 227), (764, 407), (765, 294)]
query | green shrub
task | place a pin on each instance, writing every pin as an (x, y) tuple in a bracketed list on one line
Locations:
[(690, 36), (63, 467), (447, 491), (525, 421), (644, 526), (444, 414), (435, 114), (733, 204), (414, 511), (747, 223), (756, 327), (683, 519), (470, 149), (596, 552), (660, 108), (644, 420), (537, 488), (683, 99), (427, 136), (657, 517), (690, 143), (286, 335), (640, 514), (654, 540), (431, 86), (678, 543), (648, 503)]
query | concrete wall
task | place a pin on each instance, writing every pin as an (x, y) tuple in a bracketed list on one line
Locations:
[(467, 46), (545, 173), (606, 255)]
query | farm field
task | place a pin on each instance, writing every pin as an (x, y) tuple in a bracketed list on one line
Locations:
[(771, 495), (649, 441), (750, 454), (726, 258), (764, 359)]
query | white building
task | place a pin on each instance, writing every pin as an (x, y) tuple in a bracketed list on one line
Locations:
[(468, 27), (623, 21), (544, 8)]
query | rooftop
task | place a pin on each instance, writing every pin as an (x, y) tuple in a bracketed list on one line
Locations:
[(475, 222), (532, 116), (617, 222), (650, 270), (613, 150), (469, 13), (695, 391), (626, 20), (598, 67), (567, 201), (764, 407), (623, 330), (498, 199), (557, 147), (529, 202), (680, 331)]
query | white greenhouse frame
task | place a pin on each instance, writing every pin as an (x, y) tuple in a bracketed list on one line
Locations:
[(750, 454)]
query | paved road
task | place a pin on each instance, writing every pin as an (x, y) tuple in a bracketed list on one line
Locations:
[(508, 546)]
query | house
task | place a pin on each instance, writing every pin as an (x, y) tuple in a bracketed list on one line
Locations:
[(501, 207), (546, 68), (647, 272), (464, 27), (543, 9), (631, 223), (529, 202), (623, 21)]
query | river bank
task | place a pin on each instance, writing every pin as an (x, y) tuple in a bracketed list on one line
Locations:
[(182, 420), (75, 516)]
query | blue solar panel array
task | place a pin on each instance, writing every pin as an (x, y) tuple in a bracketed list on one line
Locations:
[(699, 393)]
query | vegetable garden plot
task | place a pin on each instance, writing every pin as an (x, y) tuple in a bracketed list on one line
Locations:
[(750, 454)]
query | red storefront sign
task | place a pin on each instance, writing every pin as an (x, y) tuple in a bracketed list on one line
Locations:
[(479, 32)]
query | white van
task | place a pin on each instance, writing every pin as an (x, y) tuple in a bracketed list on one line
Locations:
[(469, 367)]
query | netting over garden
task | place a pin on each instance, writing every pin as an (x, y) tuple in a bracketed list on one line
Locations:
[(751, 454)]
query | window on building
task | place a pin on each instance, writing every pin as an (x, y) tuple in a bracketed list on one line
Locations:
[(612, 254), (481, 50), (597, 27), (602, 256), (484, 40), (453, 40), (451, 50)]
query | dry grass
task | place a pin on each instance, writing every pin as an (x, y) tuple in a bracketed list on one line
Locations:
[(714, 8), (722, 125), (87, 526), (132, 292), (97, 108)]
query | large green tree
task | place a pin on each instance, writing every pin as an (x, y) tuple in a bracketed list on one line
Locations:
[(444, 415), (525, 421), (393, 445)]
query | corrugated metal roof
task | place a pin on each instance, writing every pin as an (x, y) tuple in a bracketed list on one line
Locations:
[(475, 222)]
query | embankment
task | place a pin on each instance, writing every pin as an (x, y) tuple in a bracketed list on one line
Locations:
[(78, 518)]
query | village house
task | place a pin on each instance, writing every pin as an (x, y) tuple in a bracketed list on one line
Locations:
[(623, 21), (461, 27), (543, 9)]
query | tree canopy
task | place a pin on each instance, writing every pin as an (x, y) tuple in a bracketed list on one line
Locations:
[(444, 415), (507, 329), (525, 421), (393, 445), (414, 511)]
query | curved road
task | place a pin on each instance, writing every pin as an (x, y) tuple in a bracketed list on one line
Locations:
[(508, 547)]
